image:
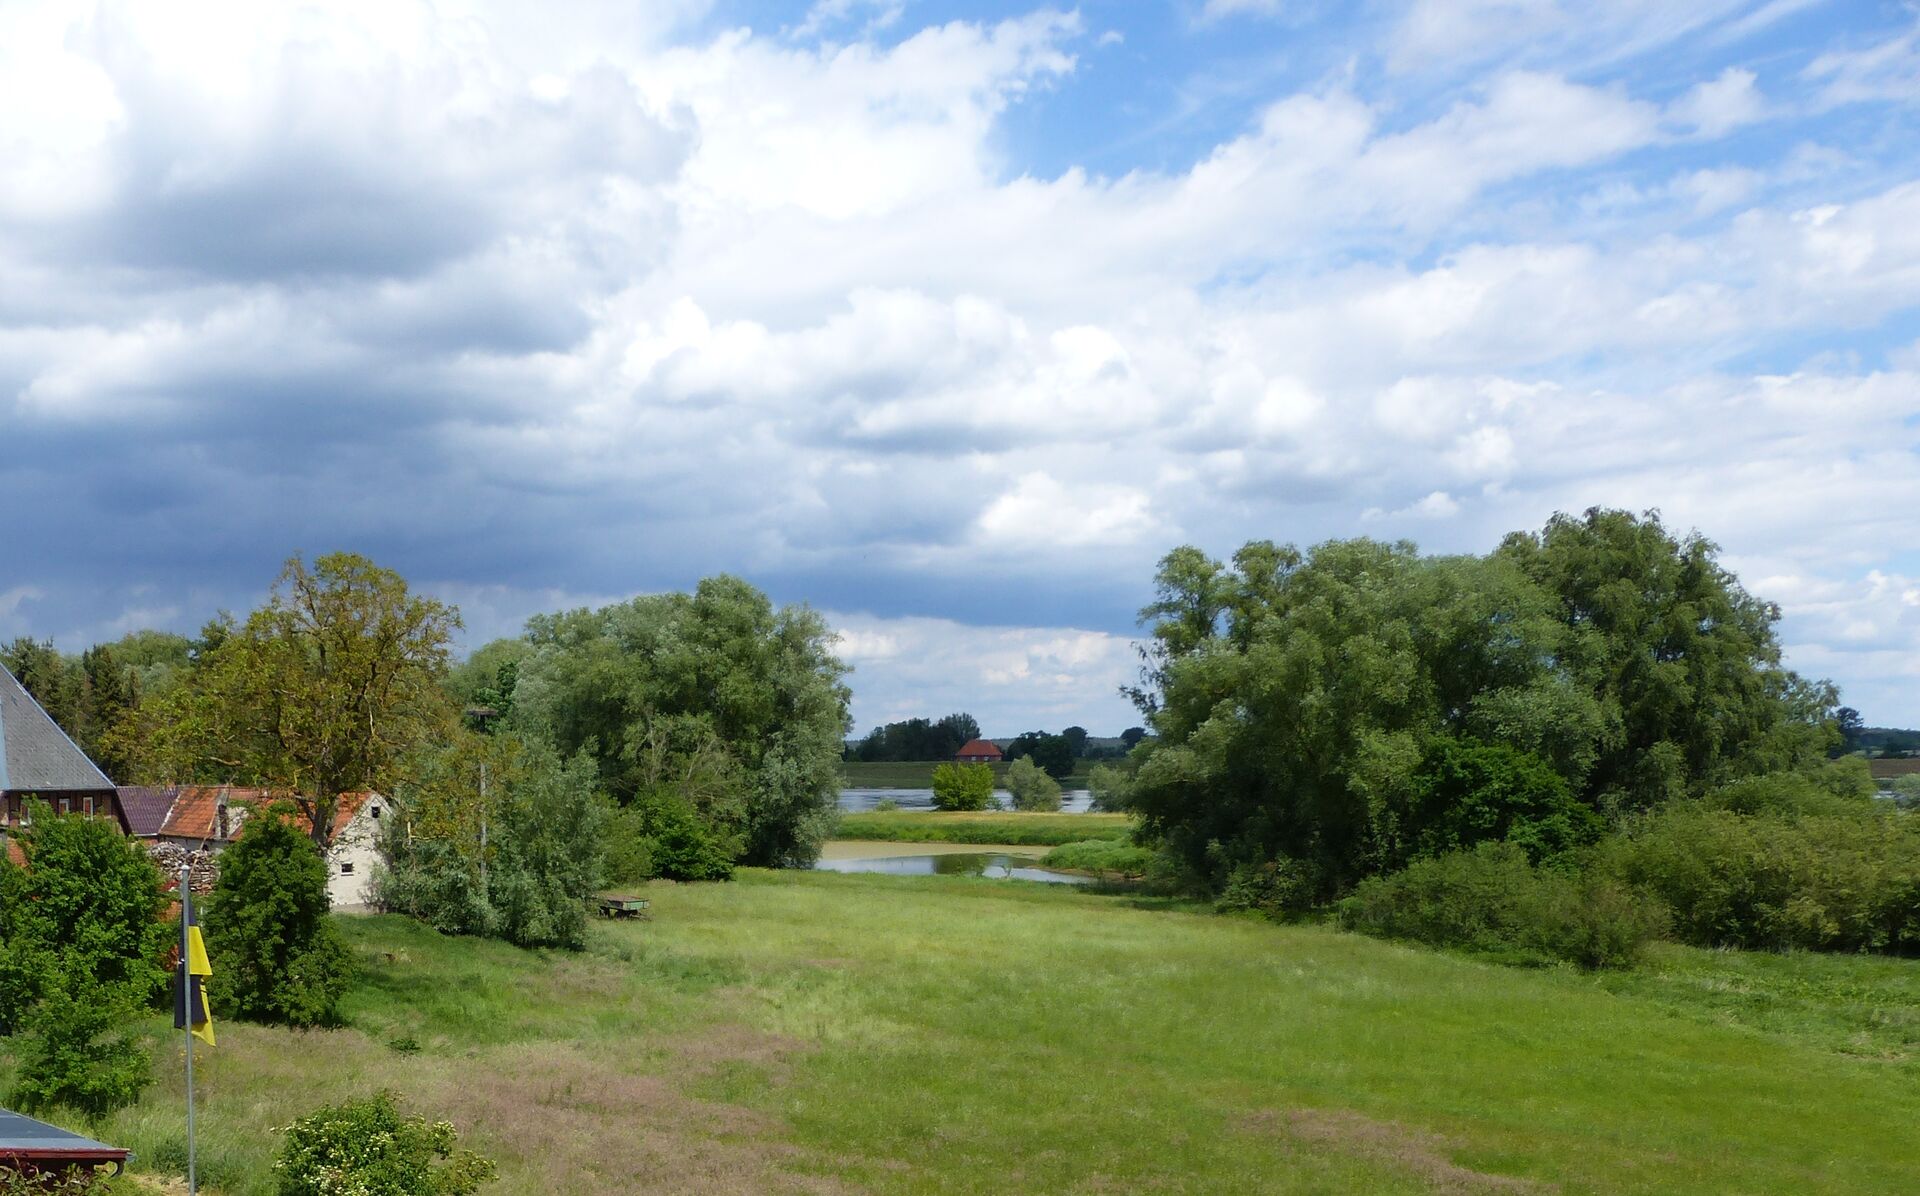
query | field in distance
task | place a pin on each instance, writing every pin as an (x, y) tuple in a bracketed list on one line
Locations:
[(807, 1032)]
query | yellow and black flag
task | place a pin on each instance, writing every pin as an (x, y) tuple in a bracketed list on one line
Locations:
[(190, 1009)]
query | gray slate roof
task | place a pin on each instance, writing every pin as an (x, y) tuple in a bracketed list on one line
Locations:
[(35, 754), (24, 1137)]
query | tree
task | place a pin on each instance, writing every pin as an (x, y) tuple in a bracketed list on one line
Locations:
[(49, 677), (1848, 723), (1050, 752), (1683, 661), (90, 900), (962, 786), (714, 700), (321, 692), (80, 1050), (1112, 788), (1076, 738), (277, 958), (1031, 788), (109, 696), (1132, 736)]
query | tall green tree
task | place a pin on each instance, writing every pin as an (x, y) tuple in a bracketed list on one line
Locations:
[(714, 699), (323, 691)]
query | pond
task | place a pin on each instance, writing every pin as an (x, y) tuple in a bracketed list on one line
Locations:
[(1074, 801), (971, 863)]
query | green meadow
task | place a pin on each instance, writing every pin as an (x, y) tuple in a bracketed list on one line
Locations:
[(807, 1032), (1006, 828)]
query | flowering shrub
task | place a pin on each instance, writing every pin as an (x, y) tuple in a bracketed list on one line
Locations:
[(368, 1148)]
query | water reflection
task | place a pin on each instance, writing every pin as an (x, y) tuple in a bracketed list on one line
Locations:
[(968, 863)]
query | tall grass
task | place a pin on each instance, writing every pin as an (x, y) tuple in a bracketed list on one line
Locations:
[(1009, 828)]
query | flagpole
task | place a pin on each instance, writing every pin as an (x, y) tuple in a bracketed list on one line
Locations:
[(186, 981)]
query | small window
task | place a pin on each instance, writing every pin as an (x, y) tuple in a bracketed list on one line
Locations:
[(376, 811), (89, 802), (66, 805), (346, 869)]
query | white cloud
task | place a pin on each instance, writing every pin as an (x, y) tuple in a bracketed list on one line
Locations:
[(1888, 70), (1720, 105)]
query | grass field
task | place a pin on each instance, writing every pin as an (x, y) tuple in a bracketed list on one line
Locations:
[(987, 826), (806, 1032), (882, 774)]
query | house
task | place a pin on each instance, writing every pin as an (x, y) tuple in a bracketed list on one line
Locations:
[(978, 751), (38, 761), (207, 818)]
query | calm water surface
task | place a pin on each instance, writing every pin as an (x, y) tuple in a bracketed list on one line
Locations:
[(1074, 801), (971, 863)]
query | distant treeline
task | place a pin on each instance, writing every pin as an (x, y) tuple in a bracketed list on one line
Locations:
[(919, 739)]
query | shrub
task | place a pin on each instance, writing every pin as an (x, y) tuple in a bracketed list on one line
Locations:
[(1467, 792), (276, 957), (77, 1051), (1789, 794), (685, 847), (91, 898), (429, 880), (1818, 882), (1906, 791), (1032, 789), (548, 853), (1100, 855), (369, 1148), (962, 786), (1492, 900), (77, 1181), (629, 849), (1112, 788), (885, 805)]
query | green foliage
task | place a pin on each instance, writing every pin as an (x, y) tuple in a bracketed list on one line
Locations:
[(78, 1181), (1100, 856), (686, 847), (962, 787), (1491, 900), (629, 849), (1032, 790), (1467, 792), (1296, 697), (1112, 788), (501, 837), (88, 903), (1772, 881), (917, 739), (1906, 791), (78, 1052), (276, 956), (714, 700), (885, 805), (369, 1148), (323, 691), (1829, 790), (1054, 753)]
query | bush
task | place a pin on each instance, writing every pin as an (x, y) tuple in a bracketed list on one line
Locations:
[(90, 898), (1906, 791), (1772, 882), (78, 1053), (962, 786), (885, 805), (77, 1181), (1033, 791), (685, 847), (1492, 900), (1788, 795), (629, 849), (368, 1148), (430, 880), (276, 957), (1100, 855), (1467, 792)]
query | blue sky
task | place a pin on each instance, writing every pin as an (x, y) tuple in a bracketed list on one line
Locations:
[(947, 318)]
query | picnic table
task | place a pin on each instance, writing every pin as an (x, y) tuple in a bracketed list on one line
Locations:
[(625, 907)]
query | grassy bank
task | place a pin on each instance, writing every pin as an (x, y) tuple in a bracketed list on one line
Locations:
[(823, 1033), (938, 826), (918, 774)]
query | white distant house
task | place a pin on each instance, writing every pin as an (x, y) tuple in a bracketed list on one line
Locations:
[(352, 853)]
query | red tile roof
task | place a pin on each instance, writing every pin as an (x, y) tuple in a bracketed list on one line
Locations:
[(192, 812), (979, 747)]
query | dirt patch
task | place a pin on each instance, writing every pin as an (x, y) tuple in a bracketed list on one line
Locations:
[(580, 1123), (1420, 1152)]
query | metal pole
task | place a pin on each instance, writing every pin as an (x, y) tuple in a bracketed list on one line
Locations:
[(186, 1000)]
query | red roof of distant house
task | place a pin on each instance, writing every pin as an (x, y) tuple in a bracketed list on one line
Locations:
[(978, 748), (192, 812)]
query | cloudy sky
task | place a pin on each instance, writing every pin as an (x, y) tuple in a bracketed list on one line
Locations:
[(948, 318)]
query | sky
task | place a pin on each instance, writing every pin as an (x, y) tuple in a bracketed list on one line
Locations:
[(951, 319)]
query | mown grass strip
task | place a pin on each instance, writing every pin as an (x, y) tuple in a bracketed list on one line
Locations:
[(1015, 829)]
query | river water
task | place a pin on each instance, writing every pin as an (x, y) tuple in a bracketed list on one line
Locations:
[(1074, 801)]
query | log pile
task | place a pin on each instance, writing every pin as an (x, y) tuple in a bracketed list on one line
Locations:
[(171, 857)]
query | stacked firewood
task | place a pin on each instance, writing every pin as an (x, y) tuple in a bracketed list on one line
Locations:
[(172, 857)]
